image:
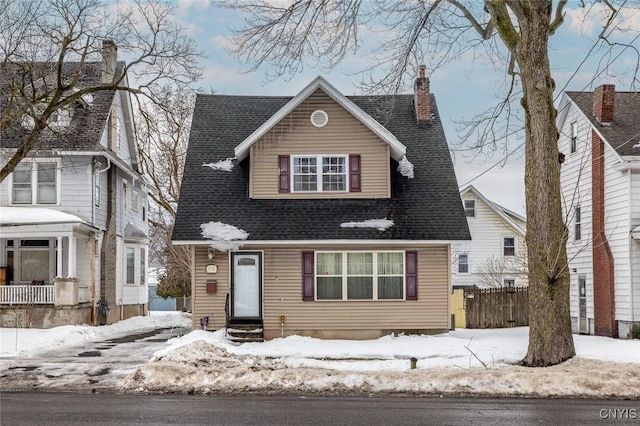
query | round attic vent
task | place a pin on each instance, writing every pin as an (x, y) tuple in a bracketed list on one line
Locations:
[(319, 118)]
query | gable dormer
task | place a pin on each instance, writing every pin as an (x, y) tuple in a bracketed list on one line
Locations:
[(320, 145)]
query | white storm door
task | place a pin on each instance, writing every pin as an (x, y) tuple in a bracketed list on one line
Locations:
[(246, 291)]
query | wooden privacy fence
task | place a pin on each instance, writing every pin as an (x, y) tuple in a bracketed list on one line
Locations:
[(497, 307)]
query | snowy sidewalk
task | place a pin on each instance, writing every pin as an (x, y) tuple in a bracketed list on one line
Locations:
[(452, 363)]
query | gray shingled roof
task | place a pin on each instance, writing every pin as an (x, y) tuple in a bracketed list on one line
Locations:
[(427, 207), (625, 131), (87, 124)]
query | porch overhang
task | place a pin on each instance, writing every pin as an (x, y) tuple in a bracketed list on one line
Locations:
[(36, 222)]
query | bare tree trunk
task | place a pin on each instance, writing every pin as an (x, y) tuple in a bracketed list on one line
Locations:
[(550, 338)]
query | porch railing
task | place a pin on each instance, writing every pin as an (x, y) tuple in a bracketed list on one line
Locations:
[(27, 294)]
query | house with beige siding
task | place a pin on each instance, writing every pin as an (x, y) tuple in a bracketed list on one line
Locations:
[(320, 214), (600, 182)]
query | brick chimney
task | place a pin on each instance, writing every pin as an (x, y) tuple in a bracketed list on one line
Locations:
[(109, 59), (603, 99), (421, 100)]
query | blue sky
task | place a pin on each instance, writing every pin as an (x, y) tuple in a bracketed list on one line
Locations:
[(462, 88)]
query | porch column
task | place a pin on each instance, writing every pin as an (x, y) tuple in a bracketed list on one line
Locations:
[(71, 257), (59, 258)]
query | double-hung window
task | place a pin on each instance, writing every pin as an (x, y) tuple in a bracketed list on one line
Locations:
[(470, 208), (574, 137), (463, 263), (577, 230), (35, 183), (319, 173), (509, 246), (135, 264), (359, 275)]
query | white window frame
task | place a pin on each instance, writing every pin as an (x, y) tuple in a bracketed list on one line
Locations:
[(467, 263), (504, 246), (573, 140), (469, 211), (345, 275), (506, 280), (34, 182), (577, 224), (319, 175), (140, 266)]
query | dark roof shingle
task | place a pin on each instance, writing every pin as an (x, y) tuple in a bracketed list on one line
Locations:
[(427, 207), (87, 124), (624, 134)]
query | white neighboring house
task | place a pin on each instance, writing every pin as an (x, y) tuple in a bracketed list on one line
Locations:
[(73, 214), (600, 180), (496, 254)]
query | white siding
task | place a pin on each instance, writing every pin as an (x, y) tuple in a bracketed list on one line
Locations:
[(575, 181), (487, 230), (76, 191), (617, 230)]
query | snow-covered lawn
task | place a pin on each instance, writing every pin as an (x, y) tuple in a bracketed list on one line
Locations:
[(448, 363)]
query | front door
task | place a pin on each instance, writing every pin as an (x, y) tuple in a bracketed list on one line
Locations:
[(582, 304), (246, 286)]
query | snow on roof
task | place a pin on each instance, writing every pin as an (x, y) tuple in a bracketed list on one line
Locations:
[(223, 236), (405, 167), (226, 165), (379, 224), (34, 215)]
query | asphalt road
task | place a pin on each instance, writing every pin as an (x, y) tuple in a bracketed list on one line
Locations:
[(92, 365), (52, 409)]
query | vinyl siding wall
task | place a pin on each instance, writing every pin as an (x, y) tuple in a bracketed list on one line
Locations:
[(282, 295), (295, 135)]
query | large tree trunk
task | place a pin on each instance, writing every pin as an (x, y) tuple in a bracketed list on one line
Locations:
[(550, 338)]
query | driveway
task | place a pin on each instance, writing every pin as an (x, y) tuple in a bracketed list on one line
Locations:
[(92, 365)]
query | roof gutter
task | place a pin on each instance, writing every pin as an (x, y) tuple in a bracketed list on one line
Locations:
[(321, 242)]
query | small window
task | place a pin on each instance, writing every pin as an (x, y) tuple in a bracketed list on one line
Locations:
[(470, 208), (509, 283), (574, 137), (463, 263), (577, 229), (509, 246)]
